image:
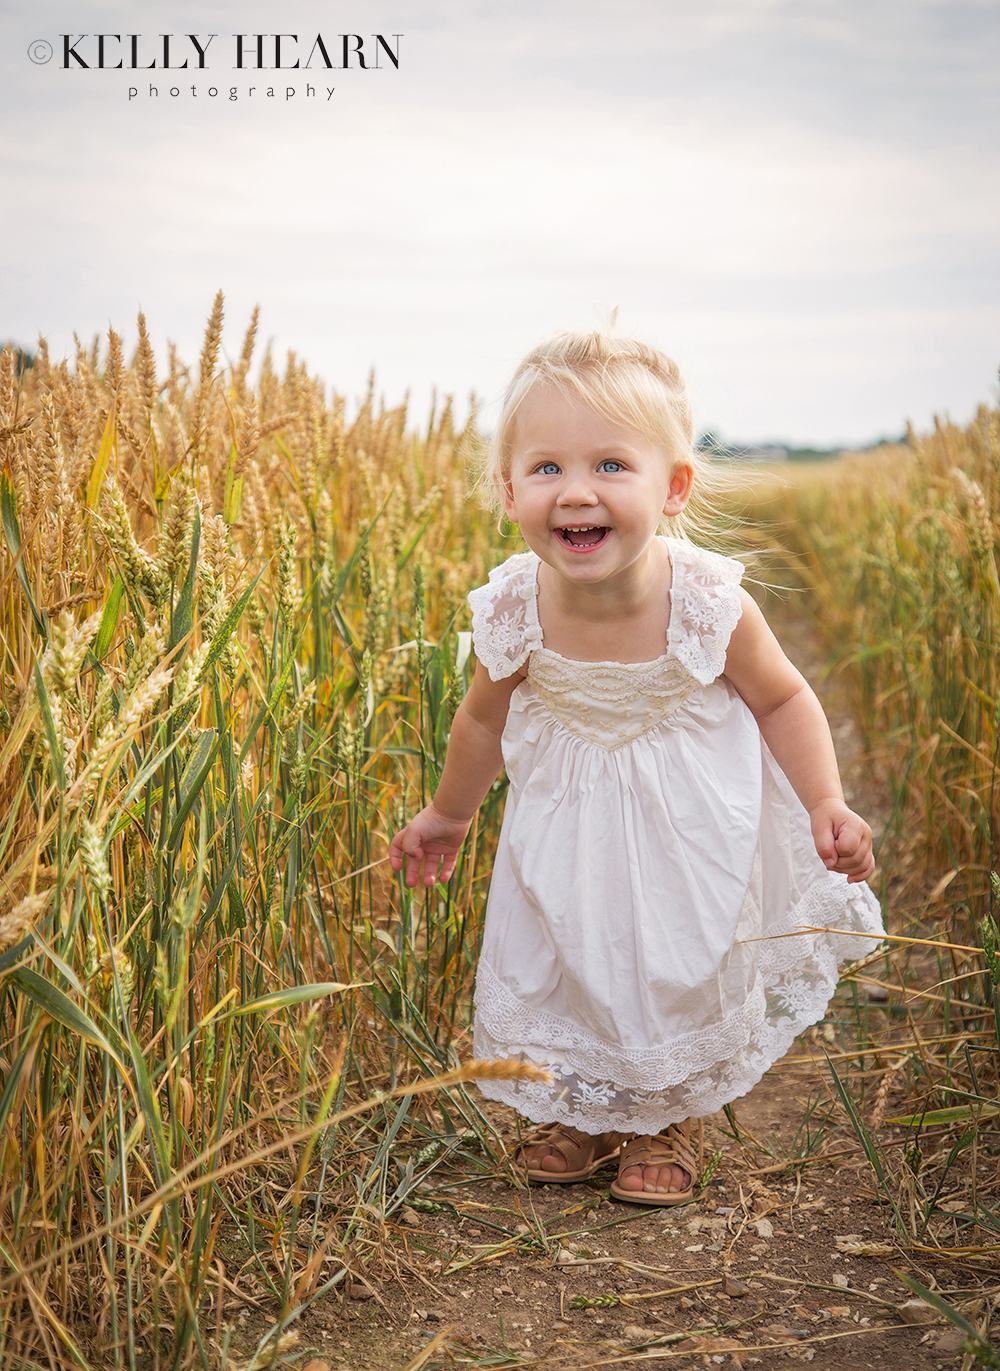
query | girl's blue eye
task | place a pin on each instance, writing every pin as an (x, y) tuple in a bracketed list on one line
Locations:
[(549, 469), (611, 465)]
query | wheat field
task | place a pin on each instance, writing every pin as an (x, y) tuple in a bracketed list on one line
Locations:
[(234, 635)]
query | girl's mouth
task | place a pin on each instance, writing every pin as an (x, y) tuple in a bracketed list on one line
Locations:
[(583, 537)]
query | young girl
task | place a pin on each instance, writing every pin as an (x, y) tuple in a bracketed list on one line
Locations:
[(675, 817)]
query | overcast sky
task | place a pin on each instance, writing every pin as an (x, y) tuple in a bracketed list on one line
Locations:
[(798, 199)]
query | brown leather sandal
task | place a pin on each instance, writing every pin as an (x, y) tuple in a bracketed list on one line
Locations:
[(584, 1154), (672, 1147)]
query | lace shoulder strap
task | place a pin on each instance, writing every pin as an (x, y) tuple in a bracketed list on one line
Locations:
[(704, 607), (505, 627)]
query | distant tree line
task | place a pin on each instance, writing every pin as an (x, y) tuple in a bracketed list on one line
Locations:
[(25, 359), (713, 446)]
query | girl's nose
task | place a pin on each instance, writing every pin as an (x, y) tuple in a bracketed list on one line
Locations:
[(577, 490)]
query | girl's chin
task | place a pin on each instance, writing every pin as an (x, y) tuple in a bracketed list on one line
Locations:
[(607, 560)]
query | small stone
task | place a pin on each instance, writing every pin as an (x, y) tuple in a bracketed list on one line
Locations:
[(840, 1280), (764, 1228), (633, 1333), (734, 1288), (361, 1292), (409, 1216), (916, 1311), (839, 1311), (563, 1255), (685, 1303), (950, 1340), (434, 1316), (503, 1290), (316, 1364)]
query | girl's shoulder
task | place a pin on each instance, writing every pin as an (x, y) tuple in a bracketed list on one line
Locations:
[(505, 627), (705, 607), (698, 566)]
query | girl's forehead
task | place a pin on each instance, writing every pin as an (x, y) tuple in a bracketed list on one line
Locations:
[(545, 396), (551, 411)]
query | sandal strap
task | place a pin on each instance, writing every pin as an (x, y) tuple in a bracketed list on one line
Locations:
[(577, 1153), (671, 1147)]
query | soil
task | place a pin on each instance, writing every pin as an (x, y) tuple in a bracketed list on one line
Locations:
[(778, 1261), (784, 1258)]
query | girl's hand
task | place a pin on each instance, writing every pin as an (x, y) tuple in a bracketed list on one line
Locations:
[(843, 839), (429, 840)]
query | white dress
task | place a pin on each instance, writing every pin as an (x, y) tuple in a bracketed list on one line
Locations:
[(653, 871)]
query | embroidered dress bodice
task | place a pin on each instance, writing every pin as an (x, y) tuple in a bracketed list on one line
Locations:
[(653, 873), (609, 704)]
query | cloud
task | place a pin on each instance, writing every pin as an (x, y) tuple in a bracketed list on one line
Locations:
[(795, 196)]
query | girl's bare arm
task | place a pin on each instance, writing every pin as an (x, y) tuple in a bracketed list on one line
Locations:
[(793, 725), (432, 838)]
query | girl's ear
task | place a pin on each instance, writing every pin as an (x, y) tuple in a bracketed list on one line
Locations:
[(680, 489), (506, 491)]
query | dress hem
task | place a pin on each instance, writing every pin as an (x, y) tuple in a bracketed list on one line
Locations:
[(599, 1087)]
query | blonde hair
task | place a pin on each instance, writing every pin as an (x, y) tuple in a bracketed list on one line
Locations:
[(628, 383)]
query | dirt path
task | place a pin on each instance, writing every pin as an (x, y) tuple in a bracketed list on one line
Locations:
[(767, 1267)]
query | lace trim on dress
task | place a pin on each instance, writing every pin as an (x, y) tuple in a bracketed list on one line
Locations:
[(611, 682), (505, 627), (705, 607), (599, 1087), (609, 704)]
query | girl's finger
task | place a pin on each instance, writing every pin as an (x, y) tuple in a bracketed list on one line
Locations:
[(414, 860)]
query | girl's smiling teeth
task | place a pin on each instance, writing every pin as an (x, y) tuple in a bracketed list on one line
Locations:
[(585, 536)]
